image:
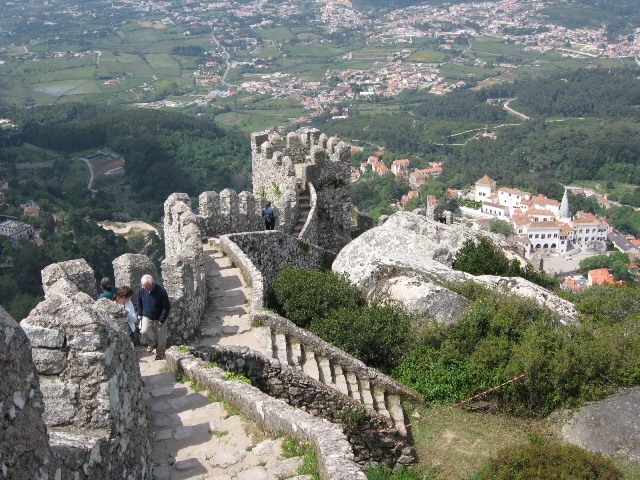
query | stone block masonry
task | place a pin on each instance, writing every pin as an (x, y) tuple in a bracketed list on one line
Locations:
[(282, 170), (183, 273), (25, 452), (72, 393)]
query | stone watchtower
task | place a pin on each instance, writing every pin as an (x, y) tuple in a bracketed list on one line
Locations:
[(306, 176)]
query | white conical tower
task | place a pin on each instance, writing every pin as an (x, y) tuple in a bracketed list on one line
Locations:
[(565, 213)]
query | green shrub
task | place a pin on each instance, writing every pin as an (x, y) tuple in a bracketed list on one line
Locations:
[(484, 258), (305, 295), (548, 461), (501, 336), (377, 334)]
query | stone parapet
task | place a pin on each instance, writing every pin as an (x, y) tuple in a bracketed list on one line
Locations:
[(183, 268), (77, 272), (129, 268), (88, 385), (309, 232), (272, 251), (25, 452), (372, 435), (335, 457)]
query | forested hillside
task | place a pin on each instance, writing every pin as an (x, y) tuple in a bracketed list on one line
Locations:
[(164, 151)]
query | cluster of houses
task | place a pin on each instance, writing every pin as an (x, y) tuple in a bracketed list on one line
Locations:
[(543, 223), (401, 169)]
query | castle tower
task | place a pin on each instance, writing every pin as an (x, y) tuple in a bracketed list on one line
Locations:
[(309, 165), (565, 213)]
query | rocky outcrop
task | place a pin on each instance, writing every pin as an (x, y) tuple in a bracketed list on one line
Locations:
[(78, 272), (422, 297), (129, 268), (611, 427), (411, 250), (24, 447)]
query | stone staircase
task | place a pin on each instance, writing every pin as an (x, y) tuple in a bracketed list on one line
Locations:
[(195, 436), (304, 202), (187, 427), (290, 351), (228, 323)]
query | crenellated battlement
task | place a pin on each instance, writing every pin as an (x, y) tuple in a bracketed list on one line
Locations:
[(310, 146), (284, 169)]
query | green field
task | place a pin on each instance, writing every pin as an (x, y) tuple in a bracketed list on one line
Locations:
[(426, 56), (277, 34)]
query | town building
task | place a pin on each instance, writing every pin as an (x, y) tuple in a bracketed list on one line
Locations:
[(418, 177), (400, 168), (16, 231), (30, 209), (484, 189), (544, 222)]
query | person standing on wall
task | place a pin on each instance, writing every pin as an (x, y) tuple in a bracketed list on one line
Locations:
[(269, 215), (153, 311)]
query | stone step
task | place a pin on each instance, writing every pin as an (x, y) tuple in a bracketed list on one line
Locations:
[(397, 414)]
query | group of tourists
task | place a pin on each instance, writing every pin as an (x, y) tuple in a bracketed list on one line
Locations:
[(149, 316), (152, 309)]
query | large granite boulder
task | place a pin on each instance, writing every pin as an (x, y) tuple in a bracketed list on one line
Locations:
[(24, 442), (421, 296), (413, 246), (611, 427)]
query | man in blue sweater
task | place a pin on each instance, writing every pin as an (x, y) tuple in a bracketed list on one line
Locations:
[(153, 310)]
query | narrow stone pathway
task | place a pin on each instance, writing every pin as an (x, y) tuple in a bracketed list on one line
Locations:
[(193, 434)]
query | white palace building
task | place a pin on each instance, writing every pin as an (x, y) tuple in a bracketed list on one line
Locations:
[(544, 224)]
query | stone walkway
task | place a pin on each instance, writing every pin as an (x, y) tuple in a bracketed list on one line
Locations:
[(194, 435)]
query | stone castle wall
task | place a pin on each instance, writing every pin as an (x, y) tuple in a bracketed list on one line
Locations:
[(24, 442), (275, 250), (183, 273), (84, 382)]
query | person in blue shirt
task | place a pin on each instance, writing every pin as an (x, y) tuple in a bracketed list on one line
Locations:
[(108, 290), (153, 311), (269, 214)]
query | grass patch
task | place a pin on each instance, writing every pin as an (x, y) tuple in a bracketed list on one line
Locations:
[(230, 409), (235, 376), (181, 377), (218, 433), (293, 448), (212, 397), (195, 386), (183, 349)]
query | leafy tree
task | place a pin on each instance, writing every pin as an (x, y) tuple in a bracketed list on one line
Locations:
[(501, 226), (482, 258), (617, 262)]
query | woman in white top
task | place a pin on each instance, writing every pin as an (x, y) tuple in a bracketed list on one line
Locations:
[(123, 297)]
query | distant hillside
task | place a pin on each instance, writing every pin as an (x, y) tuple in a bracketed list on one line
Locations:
[(165, 151)]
